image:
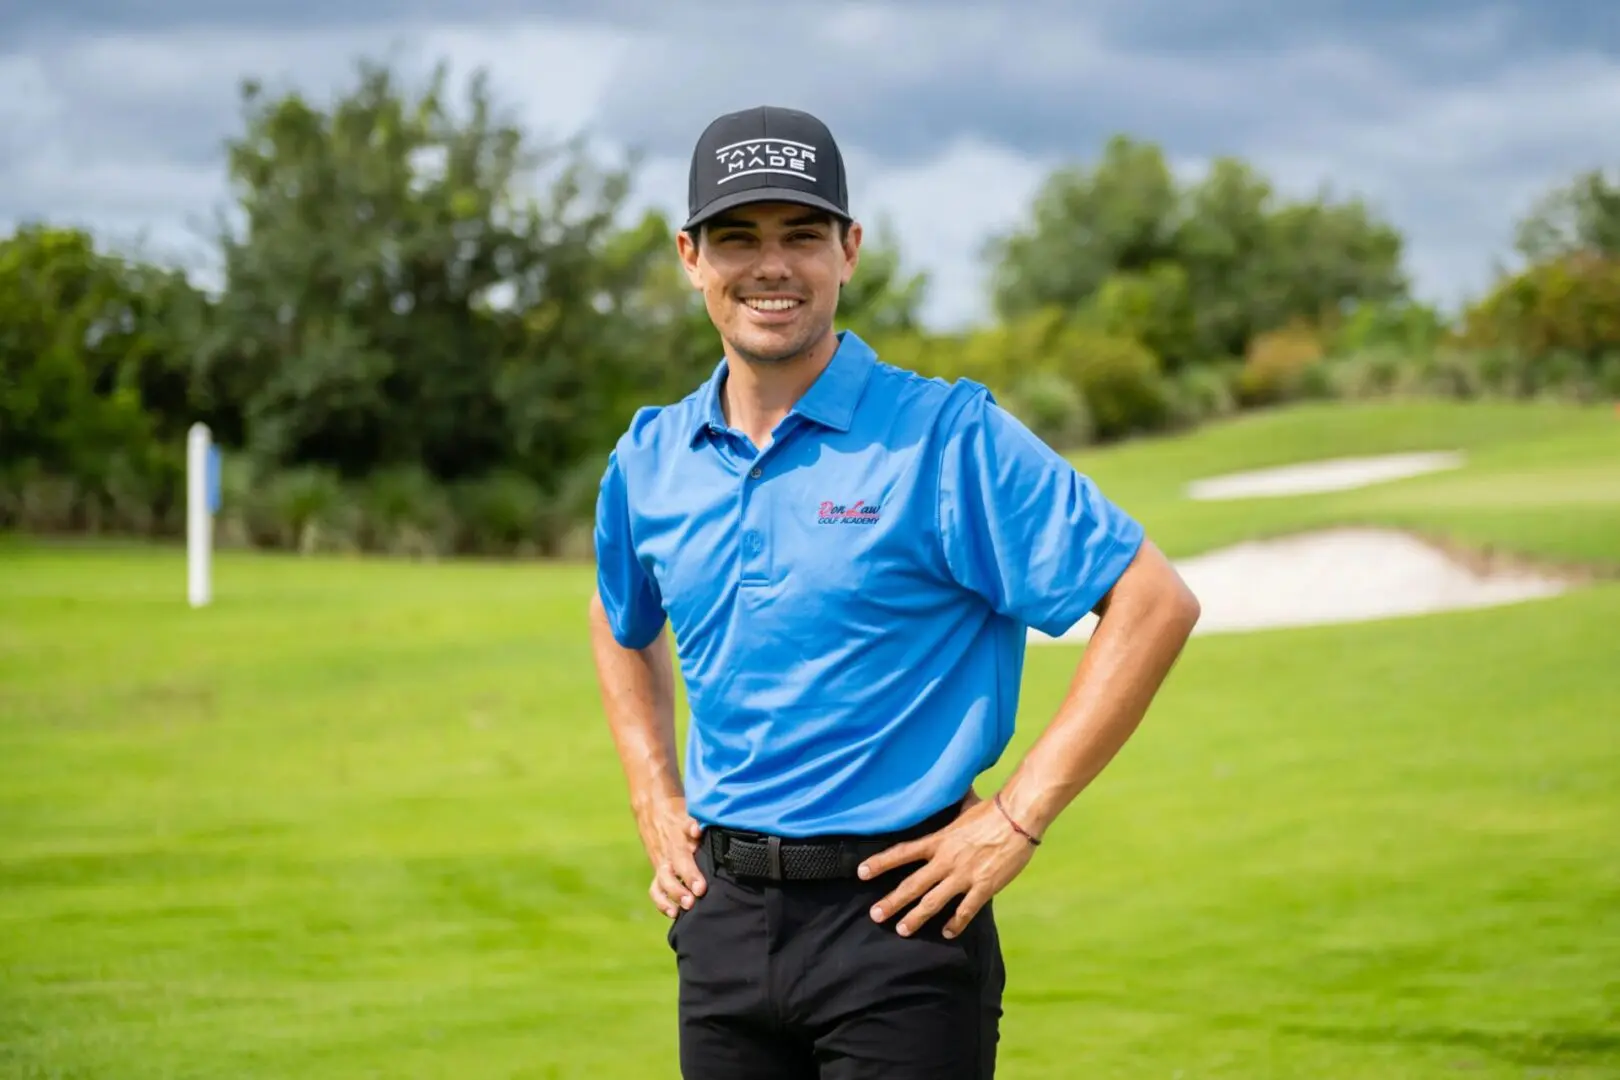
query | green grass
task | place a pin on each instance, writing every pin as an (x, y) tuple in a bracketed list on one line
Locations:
[(1541, 480), (363, 818)]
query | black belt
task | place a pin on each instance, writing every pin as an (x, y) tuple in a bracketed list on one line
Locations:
[(772, 858), (744, 854)]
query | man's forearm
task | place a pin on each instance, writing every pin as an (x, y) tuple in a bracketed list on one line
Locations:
[(638, 696), (1147, 621)]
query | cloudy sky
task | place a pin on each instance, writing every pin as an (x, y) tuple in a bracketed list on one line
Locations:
[(1449, 115)]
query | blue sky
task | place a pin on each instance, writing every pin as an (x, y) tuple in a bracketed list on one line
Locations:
[(1451, 116)]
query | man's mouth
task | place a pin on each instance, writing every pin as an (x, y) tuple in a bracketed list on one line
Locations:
[(771, 304)]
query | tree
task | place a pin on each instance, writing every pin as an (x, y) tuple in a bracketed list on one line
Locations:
[(1194, 272), (1561, 310), (1567, 306), (1581, 216), (1224, 244), (882, 299), (93, 380), (1153, 307), (1325, 257), (1085, 224), (403, 292)]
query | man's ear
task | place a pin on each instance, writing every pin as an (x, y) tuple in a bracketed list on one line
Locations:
[(852, 250), (687, 247)]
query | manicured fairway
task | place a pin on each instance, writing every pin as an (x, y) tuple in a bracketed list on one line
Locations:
[(363, 819), (1540, 480)]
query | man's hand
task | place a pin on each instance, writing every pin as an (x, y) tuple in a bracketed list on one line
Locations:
[(671, 838), (638, 693), (1145, 619), (974, 857)]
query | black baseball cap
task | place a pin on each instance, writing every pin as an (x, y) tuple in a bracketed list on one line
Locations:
[(765, 154)]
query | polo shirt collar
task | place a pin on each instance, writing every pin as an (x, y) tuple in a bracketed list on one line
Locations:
[(830, 400), (709, 415)]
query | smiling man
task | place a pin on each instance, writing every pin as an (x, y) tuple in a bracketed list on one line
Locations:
[(849, 556)]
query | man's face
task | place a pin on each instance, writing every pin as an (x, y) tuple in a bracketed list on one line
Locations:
[(770, 275)]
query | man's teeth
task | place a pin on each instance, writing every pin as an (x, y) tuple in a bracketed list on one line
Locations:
[(772, 305)]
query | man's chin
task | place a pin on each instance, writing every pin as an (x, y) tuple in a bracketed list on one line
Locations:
[(769, 348)]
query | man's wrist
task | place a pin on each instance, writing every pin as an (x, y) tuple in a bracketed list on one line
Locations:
[(1013, 823), (656, 794), (1029, 805)]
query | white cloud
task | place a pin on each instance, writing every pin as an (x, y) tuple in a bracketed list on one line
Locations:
[(1457, 166), (29, 104), (949, 118), (556, 73), (942, 210), (124, 134)]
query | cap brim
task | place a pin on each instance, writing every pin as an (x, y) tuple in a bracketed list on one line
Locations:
[(759, 195)]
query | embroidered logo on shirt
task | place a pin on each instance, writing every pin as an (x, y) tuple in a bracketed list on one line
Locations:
[(830, 513)]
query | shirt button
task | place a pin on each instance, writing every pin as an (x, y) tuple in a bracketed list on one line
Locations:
[(752, 540), (756, 472)]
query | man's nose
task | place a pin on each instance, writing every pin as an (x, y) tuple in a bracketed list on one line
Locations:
[(772, 262)]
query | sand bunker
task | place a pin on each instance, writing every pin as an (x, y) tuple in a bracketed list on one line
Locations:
[(1312, 477), (1337, 576)]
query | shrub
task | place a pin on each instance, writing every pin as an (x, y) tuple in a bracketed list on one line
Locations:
[(1569, 304), (1152, 306), (1316, 382), (927, 354), (1513, 373), (501, 513), (1445, 372), (1117, 377), (1406, 325), (1053, 408), (140, 493), (403, 511), (1608, 377), (1504, 371), (1463, 374), (571, 507), (1120, 380), (311, 511), (1001, 355), (1275, 366), (1563, 375), (1204, 392), (34, 500), (1370, 373)]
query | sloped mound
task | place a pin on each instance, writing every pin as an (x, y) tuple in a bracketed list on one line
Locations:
[(1338, 576)]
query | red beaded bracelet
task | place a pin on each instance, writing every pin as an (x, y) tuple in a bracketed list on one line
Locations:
[(1017, 828)]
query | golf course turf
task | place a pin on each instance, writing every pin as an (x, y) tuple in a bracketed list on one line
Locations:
[(363, 818)]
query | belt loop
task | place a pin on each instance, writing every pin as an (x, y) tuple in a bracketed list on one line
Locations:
[(773, 852)]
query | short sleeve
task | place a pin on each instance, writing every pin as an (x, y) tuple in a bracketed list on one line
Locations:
[(1021, 526), (635, 609)]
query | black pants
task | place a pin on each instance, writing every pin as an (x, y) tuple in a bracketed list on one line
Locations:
[(793, 979)]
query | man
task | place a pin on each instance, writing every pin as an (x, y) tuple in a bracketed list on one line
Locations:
[(849, 556)]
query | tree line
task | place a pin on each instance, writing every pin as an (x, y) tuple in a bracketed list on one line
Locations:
[(429, 329)]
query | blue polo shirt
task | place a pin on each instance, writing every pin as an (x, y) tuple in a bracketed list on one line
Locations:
[(850, 604)]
